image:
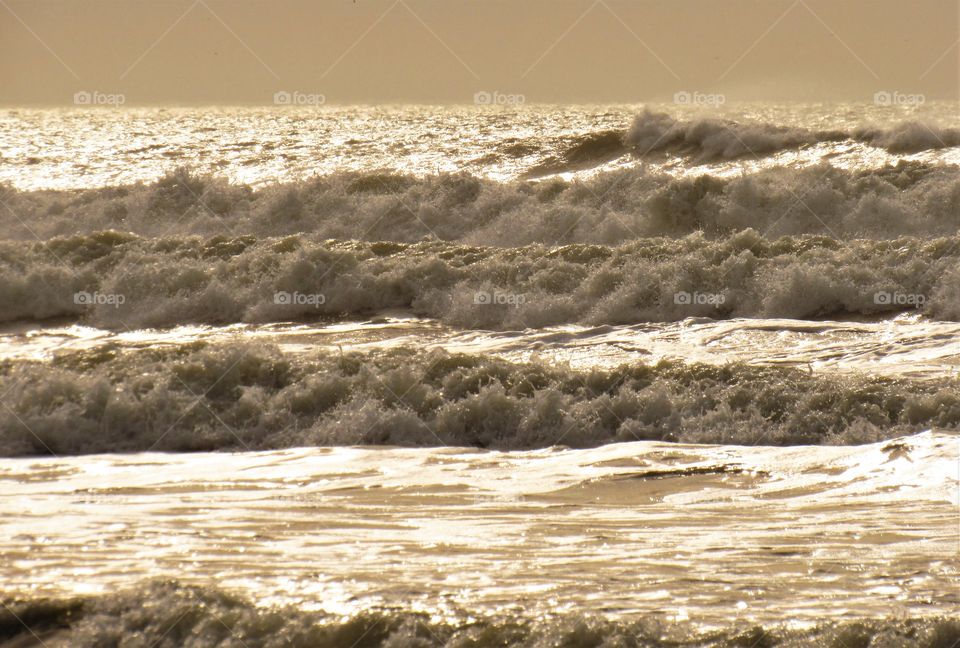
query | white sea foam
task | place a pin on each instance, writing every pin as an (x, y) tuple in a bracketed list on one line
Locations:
[(247, 395), (172, 281), (911, 198)]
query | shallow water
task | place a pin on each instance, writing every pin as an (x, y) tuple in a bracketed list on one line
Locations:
[(907, 346), (717, 534)]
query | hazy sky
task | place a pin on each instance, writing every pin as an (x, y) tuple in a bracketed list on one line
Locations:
[(242, 51)]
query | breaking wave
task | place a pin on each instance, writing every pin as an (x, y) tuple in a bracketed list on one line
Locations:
[(709, 139), (712, 139), (118, 281), (911, 198), (167, 613), (588, 151), (909, 137), (251, 396)]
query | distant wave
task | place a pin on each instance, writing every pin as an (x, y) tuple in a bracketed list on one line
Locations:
[(588, 151), (910, 198), (177, 280), (709, 139), (170, 613), (251, 396), (909, 137)]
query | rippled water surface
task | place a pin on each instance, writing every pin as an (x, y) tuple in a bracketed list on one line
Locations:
[(905, 346), (712, 533)]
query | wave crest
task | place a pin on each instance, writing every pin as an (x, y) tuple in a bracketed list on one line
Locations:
[(909, 137), (716, 139), (910, 198), (167, 612), (709, 139), (128, 282), (251, 396)]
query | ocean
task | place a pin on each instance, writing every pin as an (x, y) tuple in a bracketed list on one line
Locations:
[(409, 376)]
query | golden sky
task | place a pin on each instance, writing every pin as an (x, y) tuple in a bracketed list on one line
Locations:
[(444, 51)]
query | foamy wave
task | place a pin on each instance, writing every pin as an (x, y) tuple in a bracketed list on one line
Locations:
[(907, 199), (121, 281), (587, 152), (708, 139), (169, 613), (909, 137), (251, 396)]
